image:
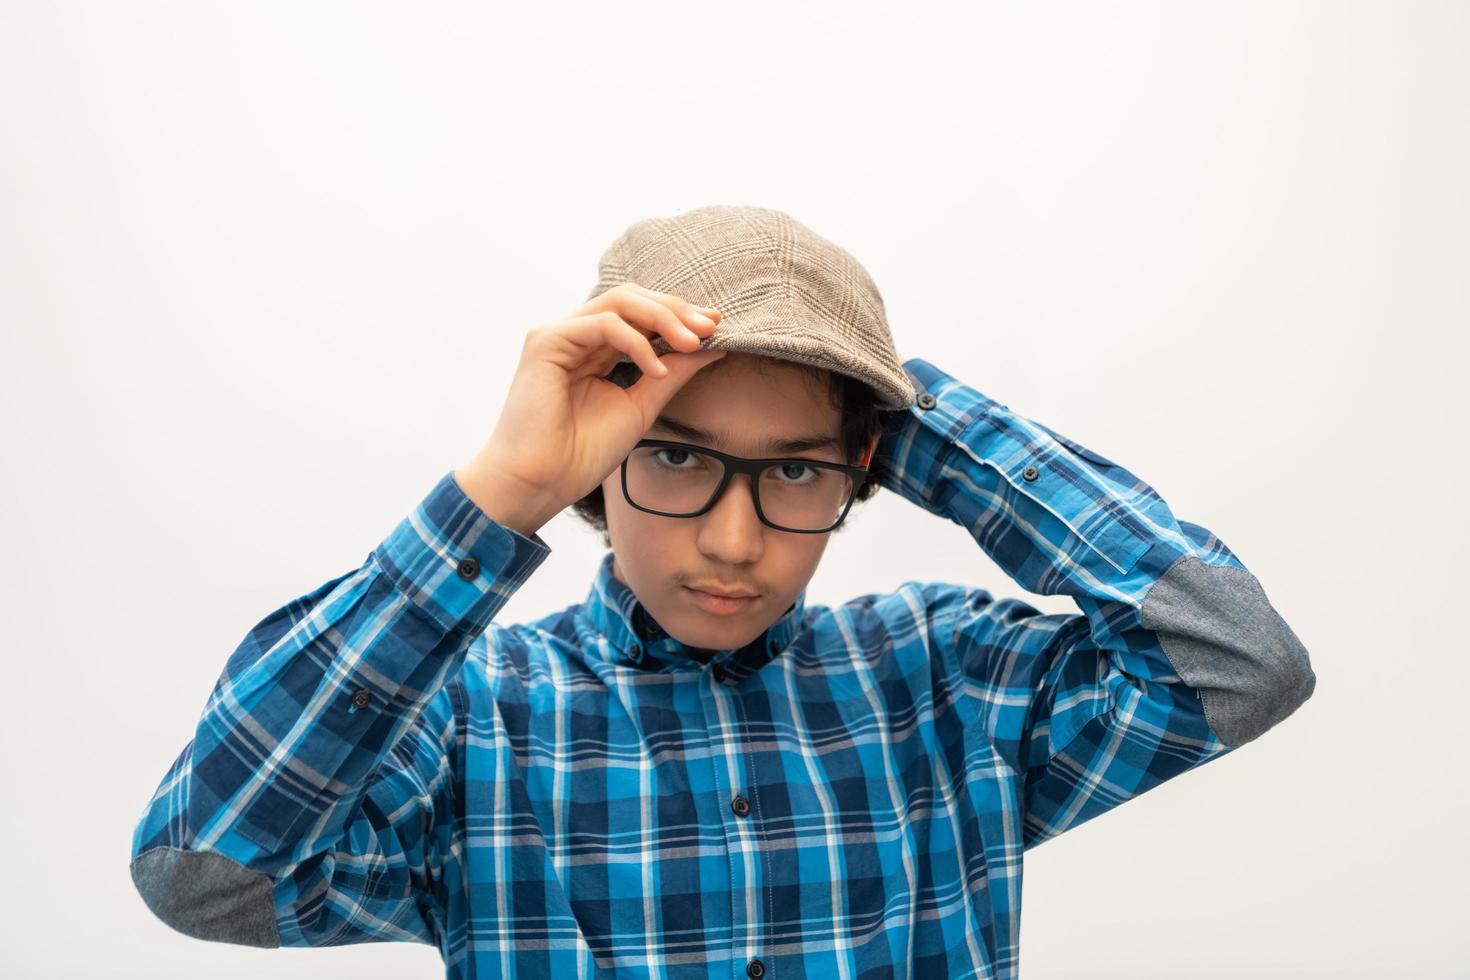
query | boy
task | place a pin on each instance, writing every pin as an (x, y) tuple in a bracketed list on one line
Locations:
[(692, 772)]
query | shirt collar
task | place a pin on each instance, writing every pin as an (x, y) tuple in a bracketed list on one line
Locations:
[(633, 638)]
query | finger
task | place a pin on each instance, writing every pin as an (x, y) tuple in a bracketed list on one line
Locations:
[(595, 328), (618, 334), (654, 317), (686, 310), (596, 341), (650, 313), (654, 312)]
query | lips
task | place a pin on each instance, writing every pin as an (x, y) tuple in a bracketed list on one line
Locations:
[(720, 605), (725, 593)]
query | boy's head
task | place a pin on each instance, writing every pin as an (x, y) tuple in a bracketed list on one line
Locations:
[(808, 353), (746, 404)]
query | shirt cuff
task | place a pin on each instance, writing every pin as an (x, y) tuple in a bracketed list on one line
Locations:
[(455, 562)]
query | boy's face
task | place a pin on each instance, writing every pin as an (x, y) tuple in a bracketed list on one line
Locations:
[(745, 403)]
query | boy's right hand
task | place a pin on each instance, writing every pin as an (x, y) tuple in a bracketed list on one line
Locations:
[(562, 427)]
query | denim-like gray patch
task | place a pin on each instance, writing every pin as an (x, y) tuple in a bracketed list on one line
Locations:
[(1227, 641), (208, 896)]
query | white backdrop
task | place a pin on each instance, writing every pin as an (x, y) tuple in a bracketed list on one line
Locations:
[(265, 269)]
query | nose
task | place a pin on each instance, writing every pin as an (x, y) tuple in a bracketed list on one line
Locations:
[(731, 532)]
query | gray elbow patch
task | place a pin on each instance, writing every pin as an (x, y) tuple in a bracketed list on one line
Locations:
[(208, 896), (1227, 641)]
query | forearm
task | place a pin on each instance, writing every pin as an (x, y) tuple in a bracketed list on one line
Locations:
[(316, 695)]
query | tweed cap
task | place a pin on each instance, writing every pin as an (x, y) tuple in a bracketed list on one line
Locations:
[(783, 291)]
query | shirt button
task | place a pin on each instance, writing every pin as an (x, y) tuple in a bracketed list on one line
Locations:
[(468, 568), (647, 626), (926, 402), (740, 805), (361, 698), (755, 969), (718, 670), (1029, 473)]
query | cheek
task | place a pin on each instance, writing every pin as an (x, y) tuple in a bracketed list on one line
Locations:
[(614, 504), (632, 531)]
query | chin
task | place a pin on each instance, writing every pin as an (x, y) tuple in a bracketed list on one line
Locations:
[(711, 637)]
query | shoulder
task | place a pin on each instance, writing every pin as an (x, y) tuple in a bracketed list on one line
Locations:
[(915, 613), (913, 599)]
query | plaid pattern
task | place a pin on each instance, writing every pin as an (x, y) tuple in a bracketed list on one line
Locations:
[(782, 290), (559, 797)]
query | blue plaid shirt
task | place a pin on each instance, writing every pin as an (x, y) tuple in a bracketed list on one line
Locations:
[(848, 796)]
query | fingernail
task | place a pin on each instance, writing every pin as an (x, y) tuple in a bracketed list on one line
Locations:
[(704, 319)]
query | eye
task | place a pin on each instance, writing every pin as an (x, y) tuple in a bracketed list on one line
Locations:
[(680, 453), (786, 468)]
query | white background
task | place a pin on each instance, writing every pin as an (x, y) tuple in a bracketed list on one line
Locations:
[(265, 269)]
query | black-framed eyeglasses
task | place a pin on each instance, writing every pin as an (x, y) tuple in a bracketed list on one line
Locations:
[(680, 479)]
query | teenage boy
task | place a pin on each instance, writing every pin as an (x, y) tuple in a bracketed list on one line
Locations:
[(692, 772)]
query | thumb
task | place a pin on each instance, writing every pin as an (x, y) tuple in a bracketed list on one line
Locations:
[(651, 394)]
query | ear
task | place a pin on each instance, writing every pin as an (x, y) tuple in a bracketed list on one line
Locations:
[(868, 452)]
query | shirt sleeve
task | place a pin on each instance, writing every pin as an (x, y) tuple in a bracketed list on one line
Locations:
[(1176, 657), (314, 803)]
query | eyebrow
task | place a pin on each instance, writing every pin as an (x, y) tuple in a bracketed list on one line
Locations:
[(798, 444)]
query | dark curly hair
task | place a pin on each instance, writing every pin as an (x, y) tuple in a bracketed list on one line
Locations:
[(862, 416)]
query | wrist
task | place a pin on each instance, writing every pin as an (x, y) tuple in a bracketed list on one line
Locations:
[(519, 508)]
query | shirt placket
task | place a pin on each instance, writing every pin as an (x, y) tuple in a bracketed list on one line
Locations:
[(741, 823)]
